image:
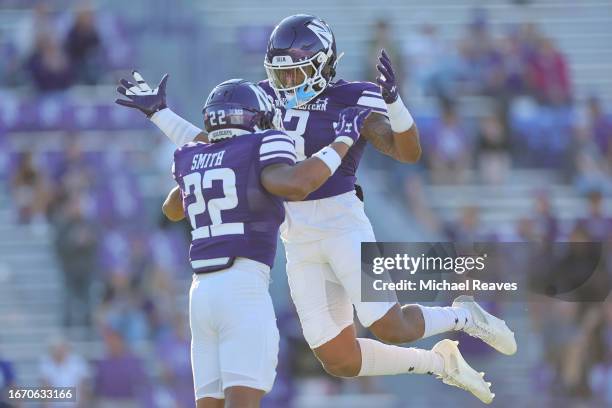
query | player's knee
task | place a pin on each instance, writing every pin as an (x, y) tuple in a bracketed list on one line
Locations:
[(344, 363), (342, 368), (237, 403), (340, 356), (243, 397), (210, 403), (390, 335), (394, 328)]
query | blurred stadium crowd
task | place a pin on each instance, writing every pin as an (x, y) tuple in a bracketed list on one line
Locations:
[(92, 176)]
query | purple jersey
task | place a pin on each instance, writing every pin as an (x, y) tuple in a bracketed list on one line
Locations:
[(231, 213), (312, 127)]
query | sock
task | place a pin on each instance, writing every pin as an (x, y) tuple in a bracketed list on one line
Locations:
[(443, 319), (383, 359)]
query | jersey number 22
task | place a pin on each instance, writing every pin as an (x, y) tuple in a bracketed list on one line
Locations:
[(215, 205)]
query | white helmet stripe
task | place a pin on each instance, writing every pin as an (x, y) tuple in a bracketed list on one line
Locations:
[(262, 98), (321, 31)]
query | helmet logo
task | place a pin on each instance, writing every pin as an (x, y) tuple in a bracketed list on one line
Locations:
[(321, 31)]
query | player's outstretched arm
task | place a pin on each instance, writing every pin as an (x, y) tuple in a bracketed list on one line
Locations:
[(295, 182), (152, 102), (398, 136), (173, 205)]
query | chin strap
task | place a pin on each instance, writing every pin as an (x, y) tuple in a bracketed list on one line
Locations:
[(332, 69), (338, 59)]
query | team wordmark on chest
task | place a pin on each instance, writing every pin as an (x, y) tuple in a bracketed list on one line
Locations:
[(319, 104)]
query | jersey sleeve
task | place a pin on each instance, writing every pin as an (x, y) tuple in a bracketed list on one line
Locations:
[(173, 169), (276, 147), (370, 97)]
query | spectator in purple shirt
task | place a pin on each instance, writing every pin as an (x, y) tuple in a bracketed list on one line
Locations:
[(84, 48), (450, 153), (546, 225), (173, 350), (600, 126), (596, 223), (120, 378), (49, 66), (7, 379)]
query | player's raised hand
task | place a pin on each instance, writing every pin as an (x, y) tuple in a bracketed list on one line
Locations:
[(386, 78), (141, 96), (350, 122)]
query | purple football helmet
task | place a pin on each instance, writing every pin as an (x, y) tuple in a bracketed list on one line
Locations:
[(301, 59), (237, 107)]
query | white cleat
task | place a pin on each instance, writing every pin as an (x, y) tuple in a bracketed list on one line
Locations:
[(487, 327), (458, 373)]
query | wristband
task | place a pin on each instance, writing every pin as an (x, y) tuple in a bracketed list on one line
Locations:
[(330, 157), (347, 140), (401, 120), (177, 129)]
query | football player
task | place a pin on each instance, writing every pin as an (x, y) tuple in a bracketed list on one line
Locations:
[(232, 192), (322, 234)]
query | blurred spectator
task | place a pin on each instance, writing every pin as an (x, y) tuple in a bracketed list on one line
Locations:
[(74, 171), (597, 225), (174, 351), (76, 243), (556, 327), (49, 66), (381, 39), (30, 190), (493, 155), (424, 52), (416, 200), (38, 23), (524, 230), (599, 125), (10, 65), (61, 367), (120, 378), (123, 310), (83, 46), (482, 70), (579, 353), (449, 157), (7, 380), (467, 229), (589, 165), (549, 74), (600, 378), (545, 224), (514, 66)]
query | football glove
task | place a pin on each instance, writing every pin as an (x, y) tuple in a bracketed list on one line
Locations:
[(386, 78), (141, 96), (349, 124)]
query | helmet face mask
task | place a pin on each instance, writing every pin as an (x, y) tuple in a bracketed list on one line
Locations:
[(301, 59), (297, 84)]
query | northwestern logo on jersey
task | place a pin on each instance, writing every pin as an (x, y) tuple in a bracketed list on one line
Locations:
[(319, 104), (321, 31)]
